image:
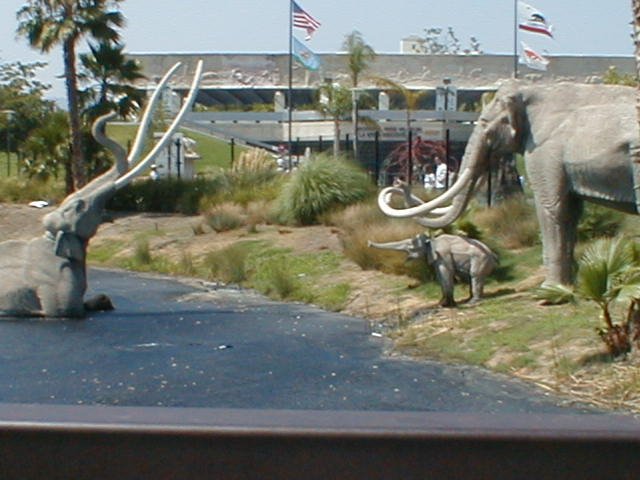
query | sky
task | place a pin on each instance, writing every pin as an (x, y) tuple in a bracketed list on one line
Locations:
[(589, 27)]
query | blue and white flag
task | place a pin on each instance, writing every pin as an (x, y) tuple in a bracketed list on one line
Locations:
[(305, 56)]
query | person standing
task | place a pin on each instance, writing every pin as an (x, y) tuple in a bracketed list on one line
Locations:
[(441, 174)]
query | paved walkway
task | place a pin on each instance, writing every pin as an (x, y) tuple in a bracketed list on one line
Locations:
[(172, 344)]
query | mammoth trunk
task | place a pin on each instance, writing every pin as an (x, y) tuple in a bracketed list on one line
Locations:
[(401, 245)]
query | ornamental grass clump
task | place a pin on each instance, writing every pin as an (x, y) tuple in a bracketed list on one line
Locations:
[(321, 185)]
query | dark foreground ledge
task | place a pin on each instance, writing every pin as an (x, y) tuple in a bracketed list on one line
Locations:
[(185, 443)]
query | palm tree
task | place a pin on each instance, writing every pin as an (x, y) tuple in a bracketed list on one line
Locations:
[(110, 76), (635, 5), (359, 56), (608, 273), (335, 102), (49, 23)]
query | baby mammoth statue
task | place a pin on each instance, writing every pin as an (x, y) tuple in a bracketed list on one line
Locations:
[(452, 256)]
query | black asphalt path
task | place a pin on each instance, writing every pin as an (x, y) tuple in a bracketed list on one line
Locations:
[(170, 343)]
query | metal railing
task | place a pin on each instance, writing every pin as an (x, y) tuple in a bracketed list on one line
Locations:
[(97, 442)]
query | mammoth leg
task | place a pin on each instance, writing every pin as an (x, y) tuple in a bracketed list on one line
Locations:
[(559, 228), (477, 288), (557, 211), (480, 267), (445, 277)]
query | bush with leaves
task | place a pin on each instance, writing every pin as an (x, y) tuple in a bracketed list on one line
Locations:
[(608, 274), (321, 185), (598, 221), (170, 195), (20, 189)]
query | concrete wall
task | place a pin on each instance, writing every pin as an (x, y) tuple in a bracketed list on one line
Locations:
[(428, 71)]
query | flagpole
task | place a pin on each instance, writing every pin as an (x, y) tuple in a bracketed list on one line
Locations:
[(515, 38), (290, 102)]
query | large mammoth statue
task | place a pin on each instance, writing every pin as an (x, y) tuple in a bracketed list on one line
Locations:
[(576, 140), (452, 256), (46, 276)]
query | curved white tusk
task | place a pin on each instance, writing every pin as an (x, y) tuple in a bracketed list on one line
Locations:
[(166, 138), (440, 210), (425, 208), (114, 147), (455, 210), (444, 220), (146, 120), (388, 194)]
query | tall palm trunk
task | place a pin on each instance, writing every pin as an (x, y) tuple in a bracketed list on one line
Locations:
[(354, 119), (336, 137), (77, 156), (635, 5)]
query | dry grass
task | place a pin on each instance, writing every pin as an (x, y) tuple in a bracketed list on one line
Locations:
[(254, 160), (362, 223), (512, 224), (225, 217)]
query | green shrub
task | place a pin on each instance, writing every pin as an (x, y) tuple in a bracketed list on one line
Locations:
[(276, 279), (598, 222), (186, 265), (20, 190), (142, 253), (227, 265), (170, 195), (320, 185)]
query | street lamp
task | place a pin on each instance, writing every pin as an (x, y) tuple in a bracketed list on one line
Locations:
[(9, 113)]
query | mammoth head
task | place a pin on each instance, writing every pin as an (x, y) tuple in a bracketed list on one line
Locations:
[(502, 123), (499, 131), (78, 217)]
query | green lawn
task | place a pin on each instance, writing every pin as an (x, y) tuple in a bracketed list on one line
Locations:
[(3, 164), (216, 154)]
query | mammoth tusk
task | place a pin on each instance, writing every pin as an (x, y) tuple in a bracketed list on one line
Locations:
[(388, 194), (448, 217), (166, 138), (122, 163), (97, 130), (425, 208), (118, 168), (146, 120)]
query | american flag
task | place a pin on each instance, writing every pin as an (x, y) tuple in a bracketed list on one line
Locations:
[(302, 19)]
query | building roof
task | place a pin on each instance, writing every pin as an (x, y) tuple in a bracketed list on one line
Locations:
[(255, 77)]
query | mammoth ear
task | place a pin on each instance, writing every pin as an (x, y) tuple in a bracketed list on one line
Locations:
[(515, 109), (425, 245), (69, 246)]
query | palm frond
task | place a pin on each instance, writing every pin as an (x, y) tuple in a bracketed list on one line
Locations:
[(555, 294)]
